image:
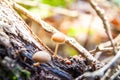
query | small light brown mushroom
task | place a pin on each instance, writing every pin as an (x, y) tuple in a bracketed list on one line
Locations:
[(59, 38), (41, 57)]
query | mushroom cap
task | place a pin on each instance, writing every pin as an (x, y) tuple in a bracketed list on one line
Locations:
[(41, 56), (58, 37)]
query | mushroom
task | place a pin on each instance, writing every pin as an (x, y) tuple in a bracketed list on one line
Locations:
[(59, 38), (41, 57)]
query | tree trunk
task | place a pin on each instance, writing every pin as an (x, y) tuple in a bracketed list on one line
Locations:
[(17, 45)]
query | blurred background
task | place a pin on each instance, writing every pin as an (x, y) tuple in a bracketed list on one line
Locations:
[(74, 18)]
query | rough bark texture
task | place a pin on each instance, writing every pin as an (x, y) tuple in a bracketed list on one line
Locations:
[(18, 44)]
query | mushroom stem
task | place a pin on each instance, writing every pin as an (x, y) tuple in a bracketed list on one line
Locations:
[(56, 48), (36, 64)]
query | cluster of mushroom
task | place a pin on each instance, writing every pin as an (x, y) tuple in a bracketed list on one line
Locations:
[(43, 56)]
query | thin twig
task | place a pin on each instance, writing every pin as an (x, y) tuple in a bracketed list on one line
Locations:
[(102, 48), (49, 28), (106, 46), (106, 24)]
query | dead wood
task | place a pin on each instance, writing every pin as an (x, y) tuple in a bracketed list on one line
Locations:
[(17, 45)]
